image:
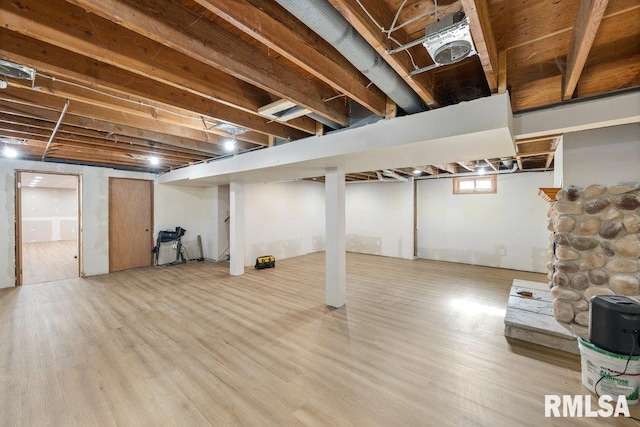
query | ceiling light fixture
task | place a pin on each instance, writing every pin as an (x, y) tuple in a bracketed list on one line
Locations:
[(481, 171), (230, 144), (10, 152), (417, 171), (154, 160)]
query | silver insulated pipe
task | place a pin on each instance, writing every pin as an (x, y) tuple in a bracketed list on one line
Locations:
[(329, 24)]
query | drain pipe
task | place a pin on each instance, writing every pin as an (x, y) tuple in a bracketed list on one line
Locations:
[(328, 23), (451, 175)]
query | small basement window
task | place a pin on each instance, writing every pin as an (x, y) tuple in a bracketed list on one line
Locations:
[(475, 185)]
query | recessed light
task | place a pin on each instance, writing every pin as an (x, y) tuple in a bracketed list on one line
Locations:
[(10, 152), (154, 160), (229, 145)]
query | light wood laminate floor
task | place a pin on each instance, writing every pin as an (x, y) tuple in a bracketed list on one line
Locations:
[(49, 261), (419, 343)]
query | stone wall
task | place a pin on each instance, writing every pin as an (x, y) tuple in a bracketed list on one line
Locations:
[(594, 248)]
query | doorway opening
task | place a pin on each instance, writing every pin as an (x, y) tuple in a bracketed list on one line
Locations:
[(48, 237)]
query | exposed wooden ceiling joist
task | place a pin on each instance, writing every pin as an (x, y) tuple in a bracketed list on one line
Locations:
[(590, 14), (140, 118), (181, 29), (22, 110), (154, 76), (101, 78), (78, 137), (480, 22), (277, 29), (470, 166), (59, 23)]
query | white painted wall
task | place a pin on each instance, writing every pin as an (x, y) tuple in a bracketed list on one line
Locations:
[(602, 156), (472, 228), (283, 219), (49, 214), (95, 211), (558, 164), (379, 218), (192, 208)]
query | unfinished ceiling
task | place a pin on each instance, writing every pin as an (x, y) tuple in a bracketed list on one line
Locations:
[(122, 83)]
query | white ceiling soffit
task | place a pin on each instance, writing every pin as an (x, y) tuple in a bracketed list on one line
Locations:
[(470, 130), (596, 113)]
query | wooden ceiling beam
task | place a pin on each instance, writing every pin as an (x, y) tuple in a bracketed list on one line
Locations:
[(120, 85), (468, 166), (65, 44), (430, 169), (549, 160), (88, 153), (37, 112), (85, 136), (72, 140), (535, 154), (172, 117), (537, 139), (590, 13), (181, 29), (177, 126), (448, 167), (502, 71), (68, 157), (276, 28), (483, 38), (491, 165), (422, 84)]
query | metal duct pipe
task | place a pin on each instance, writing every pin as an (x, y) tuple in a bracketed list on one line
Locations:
[(329, 24), (390, 174), (324, 121)]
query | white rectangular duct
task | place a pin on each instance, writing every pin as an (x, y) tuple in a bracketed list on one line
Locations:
[(283, 110)]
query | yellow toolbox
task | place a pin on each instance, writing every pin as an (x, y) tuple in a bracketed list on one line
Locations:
[(266, 261)]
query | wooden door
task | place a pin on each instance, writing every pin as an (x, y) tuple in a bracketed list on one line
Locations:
[(130, 223)]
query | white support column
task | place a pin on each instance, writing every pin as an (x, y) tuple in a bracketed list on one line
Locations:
[(213, 243), (236, 229), (336, 264)]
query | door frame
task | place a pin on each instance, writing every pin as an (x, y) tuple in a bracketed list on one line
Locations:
[(18, 219), (151, 214)]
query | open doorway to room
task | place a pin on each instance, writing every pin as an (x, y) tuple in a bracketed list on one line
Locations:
[(48, 239)]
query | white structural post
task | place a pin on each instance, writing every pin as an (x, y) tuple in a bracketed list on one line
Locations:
[(236, 229), (215, 220), (336, 264)]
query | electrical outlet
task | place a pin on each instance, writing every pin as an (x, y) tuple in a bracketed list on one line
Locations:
[(503, 252)]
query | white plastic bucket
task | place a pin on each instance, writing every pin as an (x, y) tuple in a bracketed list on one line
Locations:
[(597, 363)]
